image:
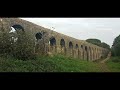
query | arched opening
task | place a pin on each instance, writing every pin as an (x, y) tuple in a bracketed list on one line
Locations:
[(82, 52), (90, 51), (71, 49), (62, 43), (77, 51), (86, 50), (52, 41), (18, 27), (95, 53), (70, 45), (14, 30), (38, 36), (82, 46), (39, 46), (76, 46)]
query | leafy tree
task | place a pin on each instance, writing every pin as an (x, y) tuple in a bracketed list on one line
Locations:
[(98, 43), (94, 41), (104, 45), (17, 44), (116, 46)]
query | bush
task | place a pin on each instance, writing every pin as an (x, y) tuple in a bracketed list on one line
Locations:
[(5, 43), (116, 59), (116, 46), (23, 48)]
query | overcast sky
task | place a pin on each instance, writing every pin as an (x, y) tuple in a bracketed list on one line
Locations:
[(105, 29)]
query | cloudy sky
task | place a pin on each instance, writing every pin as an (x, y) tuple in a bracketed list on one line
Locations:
[(105, 29)]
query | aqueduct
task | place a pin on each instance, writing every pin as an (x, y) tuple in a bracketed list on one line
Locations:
[(47, 40)]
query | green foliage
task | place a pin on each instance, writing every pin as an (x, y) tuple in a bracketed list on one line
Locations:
[(98, 43), (116, 46), (115, 59), (114, 64), (104, 45), (56, 63), (94, 41), (5, 43), (22, 48)]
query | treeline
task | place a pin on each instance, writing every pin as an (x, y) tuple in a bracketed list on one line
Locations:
[(98, 43), (116, 47)]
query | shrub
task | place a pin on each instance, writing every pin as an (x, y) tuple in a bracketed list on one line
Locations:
[(116, 46), (116, 59), (22, 48)]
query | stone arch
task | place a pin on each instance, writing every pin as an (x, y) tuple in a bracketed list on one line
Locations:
[(70, 45), (38, 35), (97, 53), (52, 41), (71, 49), (39, 45), (90, 53), (76, 46), (76, 51), (82, 52), (87, 54), (17, 27), (62, 43), (15, 32), (82, 46), (93, 53)]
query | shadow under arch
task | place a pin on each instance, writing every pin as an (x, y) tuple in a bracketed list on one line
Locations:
[(87, 55), (62, 43)]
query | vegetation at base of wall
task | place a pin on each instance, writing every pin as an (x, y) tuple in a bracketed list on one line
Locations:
[(23, 48), (114, 64), (56, 63)]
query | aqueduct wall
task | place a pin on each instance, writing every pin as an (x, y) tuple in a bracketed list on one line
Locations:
[(49, 41)]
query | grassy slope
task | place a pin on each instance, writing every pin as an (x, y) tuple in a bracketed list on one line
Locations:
[(47, 64), (54, 64), (114, 64)]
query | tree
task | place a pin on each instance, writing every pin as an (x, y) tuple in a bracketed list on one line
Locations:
[(94, 41), (116, 46), (98, 43), (18, 44), (104, 45)]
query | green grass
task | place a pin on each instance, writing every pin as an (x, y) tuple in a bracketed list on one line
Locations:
[(114, 64), (57, 63)]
